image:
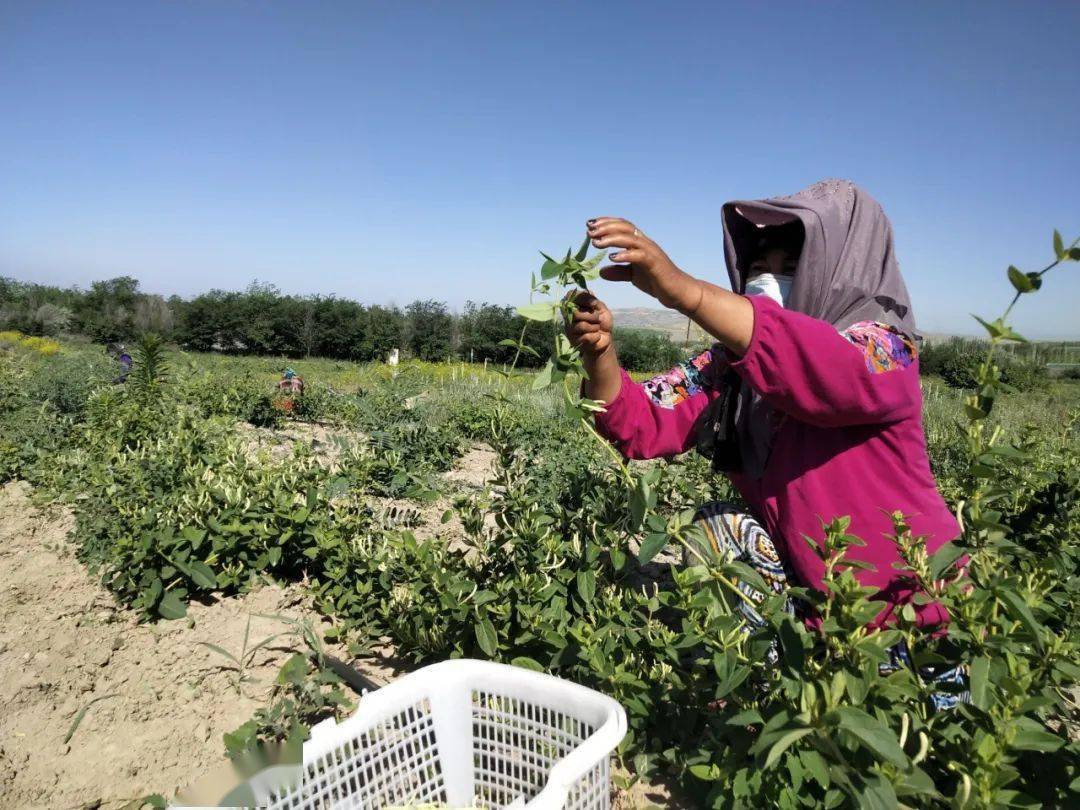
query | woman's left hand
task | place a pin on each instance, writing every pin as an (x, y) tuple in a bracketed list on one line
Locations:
[(644, 264)]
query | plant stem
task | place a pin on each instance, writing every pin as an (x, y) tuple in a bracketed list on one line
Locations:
[(714, 573)]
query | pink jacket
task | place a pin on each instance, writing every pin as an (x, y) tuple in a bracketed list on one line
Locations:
[(849, 439)]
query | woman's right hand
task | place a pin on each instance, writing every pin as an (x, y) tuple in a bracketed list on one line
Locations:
[(590, 326)]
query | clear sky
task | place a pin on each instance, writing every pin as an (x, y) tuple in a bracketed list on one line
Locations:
[(400, 150)]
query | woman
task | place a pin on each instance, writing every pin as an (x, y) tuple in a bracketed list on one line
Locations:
[(810, 398)]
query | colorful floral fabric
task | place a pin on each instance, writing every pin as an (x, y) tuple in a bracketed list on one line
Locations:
[(680, 383), (884, 347)]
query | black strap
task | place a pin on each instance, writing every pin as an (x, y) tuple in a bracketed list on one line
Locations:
[(716, 437)]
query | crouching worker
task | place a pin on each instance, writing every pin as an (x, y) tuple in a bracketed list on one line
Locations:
[(809, 400), (290, 390)]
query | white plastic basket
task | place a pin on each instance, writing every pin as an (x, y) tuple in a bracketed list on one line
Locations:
[(465, 734)]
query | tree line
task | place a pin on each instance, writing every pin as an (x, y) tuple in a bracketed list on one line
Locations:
[(261, 320)]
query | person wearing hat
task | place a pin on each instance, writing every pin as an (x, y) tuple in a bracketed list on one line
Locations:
[(809, 401)]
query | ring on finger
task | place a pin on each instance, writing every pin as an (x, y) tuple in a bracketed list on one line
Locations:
[(637, 232)]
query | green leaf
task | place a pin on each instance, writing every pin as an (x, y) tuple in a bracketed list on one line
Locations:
[(1019, 610), (1000, 331), (651, 546), (994, 329), (583, 251), (513, 344), (82, 713), (1074, 254), (642, 497), (220, 651), (706, 773), (816, 766), (1059, 245), (873, 734), (486, 637), (943, 558), (1031, 736), (586, 583), (785, 742), (193, 536), (746, 717), (877, 794), (793, 643), (543, 377), (550, 268), (1022, 281), (203, 576), (171, 606), (527, 663), (979, 678), (543, 312), (242, 738), (275, 555), (294, 670)]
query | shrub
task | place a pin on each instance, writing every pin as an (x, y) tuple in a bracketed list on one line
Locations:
[(957, 362), (646, 350)]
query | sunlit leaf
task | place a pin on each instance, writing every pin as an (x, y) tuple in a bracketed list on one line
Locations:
[(652, 545), (203, 576), (1019, 610), (543, 377), (979, 680), (544, 311), (527, 663), (943, 558), (872, 734), (586, 584), (785, 742)]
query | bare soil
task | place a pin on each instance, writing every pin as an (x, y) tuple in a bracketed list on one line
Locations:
[(159, 701), (163, 700)]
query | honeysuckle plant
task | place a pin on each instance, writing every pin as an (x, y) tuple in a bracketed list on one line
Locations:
[(558, 284)]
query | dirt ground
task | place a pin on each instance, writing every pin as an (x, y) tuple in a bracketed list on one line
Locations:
[(163, 702), (159, 702)]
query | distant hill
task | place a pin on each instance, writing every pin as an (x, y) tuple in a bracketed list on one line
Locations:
[(667, 321)]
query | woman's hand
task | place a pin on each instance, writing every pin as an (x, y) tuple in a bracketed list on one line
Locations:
[(590, 327), (590, 330), (644, 264)]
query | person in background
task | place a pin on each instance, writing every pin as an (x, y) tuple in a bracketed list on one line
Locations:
[(809, 401), (290, 390), (125, 363), (291, 383)]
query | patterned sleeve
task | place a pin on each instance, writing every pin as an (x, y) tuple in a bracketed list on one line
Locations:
[(681, 382), (657, 418), (884, 347)]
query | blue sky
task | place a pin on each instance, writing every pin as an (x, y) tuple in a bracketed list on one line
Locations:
[(403, 150)]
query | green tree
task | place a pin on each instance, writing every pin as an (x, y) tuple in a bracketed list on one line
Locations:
[(430, 330)]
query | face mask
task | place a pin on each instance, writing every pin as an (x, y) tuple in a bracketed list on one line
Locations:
[(772, 285)]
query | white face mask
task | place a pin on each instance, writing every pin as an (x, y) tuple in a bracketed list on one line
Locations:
[(776, 286)]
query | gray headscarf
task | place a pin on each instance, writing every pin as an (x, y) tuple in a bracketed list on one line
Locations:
[(846, 273)]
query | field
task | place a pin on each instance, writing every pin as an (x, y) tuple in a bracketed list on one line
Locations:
[(403, 516)]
